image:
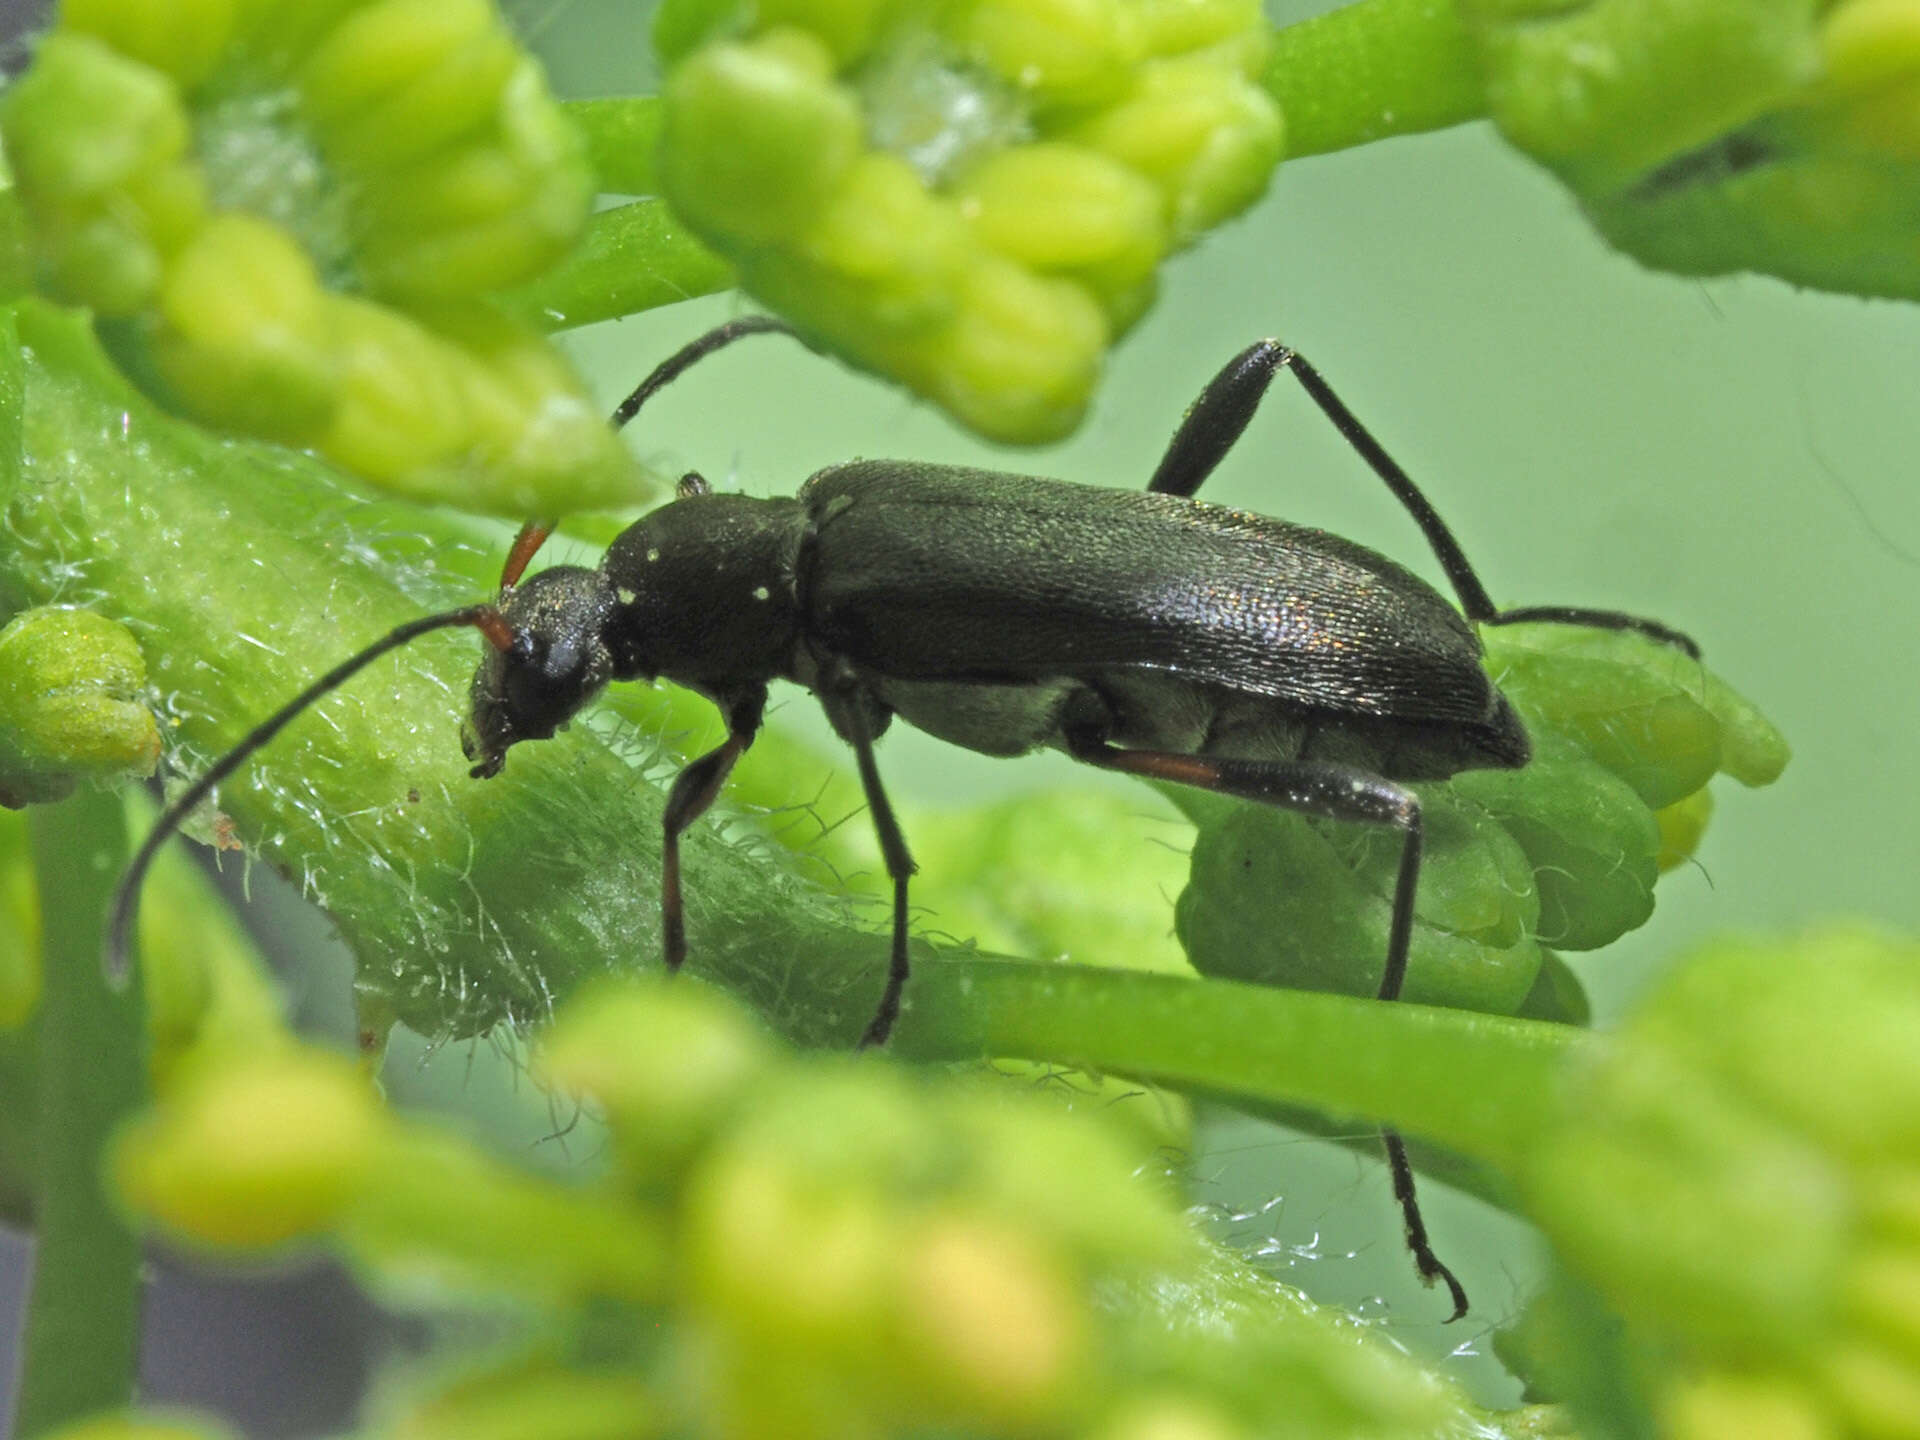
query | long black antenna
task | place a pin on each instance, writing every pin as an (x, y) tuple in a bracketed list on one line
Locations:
[(126, 897), (690, 354)]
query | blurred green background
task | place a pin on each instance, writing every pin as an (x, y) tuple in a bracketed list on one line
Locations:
[(1733, 456)]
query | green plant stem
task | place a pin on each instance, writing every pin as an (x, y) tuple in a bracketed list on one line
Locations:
[(1480, 1084), (623, 141), (630, 259), (83, 1314), (1372, 70)]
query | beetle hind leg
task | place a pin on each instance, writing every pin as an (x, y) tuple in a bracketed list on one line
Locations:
[(1339, 792)]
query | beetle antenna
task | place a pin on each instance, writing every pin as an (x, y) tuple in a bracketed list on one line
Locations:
[(526, 544), (126, 896), (534, 533), (670, 369)]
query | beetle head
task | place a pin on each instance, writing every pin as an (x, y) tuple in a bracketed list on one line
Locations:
[(554, 660)]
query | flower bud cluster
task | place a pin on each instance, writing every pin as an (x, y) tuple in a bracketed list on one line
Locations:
[(286, 220), (1737, 1177), (1706, 136), (777, 1246), (973, 197), (1564, 853)]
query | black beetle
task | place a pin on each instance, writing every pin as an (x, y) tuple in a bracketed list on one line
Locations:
[(1140, 631)]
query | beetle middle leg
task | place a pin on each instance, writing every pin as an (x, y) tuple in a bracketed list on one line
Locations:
[(847, 707), (1337, 792), (694, 790), (1217, 419)]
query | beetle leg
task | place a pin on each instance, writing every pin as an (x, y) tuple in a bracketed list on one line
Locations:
[(1600, 620), (1339, 792), (694, 791), (1215, 421), (843, 699)]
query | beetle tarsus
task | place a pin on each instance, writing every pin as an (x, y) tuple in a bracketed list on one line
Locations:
[(1429, 1265)]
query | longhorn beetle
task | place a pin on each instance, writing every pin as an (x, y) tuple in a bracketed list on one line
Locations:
[(1140, 631)]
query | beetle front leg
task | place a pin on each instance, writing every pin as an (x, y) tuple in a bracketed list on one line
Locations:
[(843, 699), (694, 791), (1338, 792)]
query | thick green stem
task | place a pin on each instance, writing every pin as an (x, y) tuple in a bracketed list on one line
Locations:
[(630, 259), (1480, 1084), (1373, 70), (623, 141), (83, 1315)]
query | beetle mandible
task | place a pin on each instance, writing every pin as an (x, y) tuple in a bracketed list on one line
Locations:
[(1144, 631)]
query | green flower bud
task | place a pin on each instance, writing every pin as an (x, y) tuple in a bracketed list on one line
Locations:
[(399, 79), (1737, 1174), (973, 197), (758, 137), (443, 1215), (1711, 136), (142, 1425), (1682, 825), (292, 218), (990, 1325), (1062, 210), (1059, 52), (666, 1062), (252, 1151), (1592, 843), (1167, 1418), (1201, 131), (1274, 898), (70, 706), (183, 39), (91, 135), (246, 340), (1564, 852), (534, 1402)]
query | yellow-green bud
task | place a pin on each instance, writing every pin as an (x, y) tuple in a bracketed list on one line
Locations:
[(1682, 826), (990, 1325), (70, 705), (142, 1425), (1060, 52), (246, 342), (1738, 1174), (90, 134), (183, 39), (1208, 137), (666, 1062), (534, 1402), (758, 136), (252, 1151), (443, 1214), (1065, 210), (1168, 1418)]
